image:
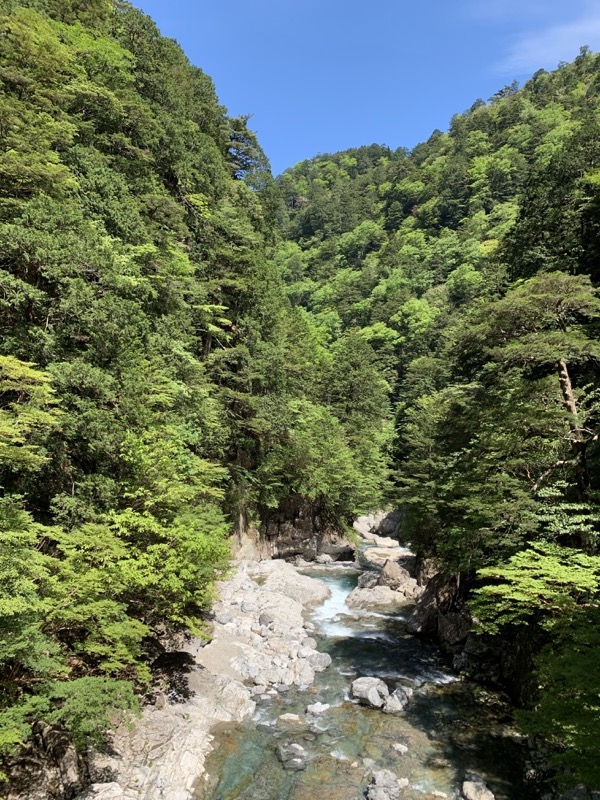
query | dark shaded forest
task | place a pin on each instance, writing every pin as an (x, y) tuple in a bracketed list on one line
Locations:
[(187, 342)]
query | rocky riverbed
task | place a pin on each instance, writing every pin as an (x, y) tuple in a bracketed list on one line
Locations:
[(261, 645), (264, 714)]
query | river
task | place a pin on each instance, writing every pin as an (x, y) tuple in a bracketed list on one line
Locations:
[(451, 727)]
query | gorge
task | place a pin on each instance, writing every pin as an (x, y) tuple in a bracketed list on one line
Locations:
[(196, 355)]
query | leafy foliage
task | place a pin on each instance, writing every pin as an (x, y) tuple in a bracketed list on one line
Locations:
[(470, 266)]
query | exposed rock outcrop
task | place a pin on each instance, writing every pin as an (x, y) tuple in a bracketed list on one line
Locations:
[(390, 589), (299, 528), (259, 645), (436, 600)]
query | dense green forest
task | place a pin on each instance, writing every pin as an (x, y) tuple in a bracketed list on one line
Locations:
[(187, 343), (155, 381), (470, 266)]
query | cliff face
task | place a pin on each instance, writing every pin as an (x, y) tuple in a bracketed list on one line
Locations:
[(299, 528), (441, 612)]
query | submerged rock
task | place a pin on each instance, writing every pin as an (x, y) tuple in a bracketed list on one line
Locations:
[(292, 756), (318, 708), (288, 719), (386, 786)]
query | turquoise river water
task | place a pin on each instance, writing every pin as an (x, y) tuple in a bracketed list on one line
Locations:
[(450, 727)]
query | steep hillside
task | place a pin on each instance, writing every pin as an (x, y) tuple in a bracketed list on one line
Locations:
[(470, 265), (156, 383)]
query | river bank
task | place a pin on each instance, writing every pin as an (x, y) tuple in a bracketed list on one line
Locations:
[(303, 743), (261, 699), (260, 646)]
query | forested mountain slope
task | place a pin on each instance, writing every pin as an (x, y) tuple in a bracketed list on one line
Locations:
[(156, 383), (186, 343), (470, 265)]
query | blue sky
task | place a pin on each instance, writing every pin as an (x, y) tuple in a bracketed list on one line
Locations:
[(319, 76)]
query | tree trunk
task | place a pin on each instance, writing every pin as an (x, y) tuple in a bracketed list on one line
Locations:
[(577, 439)]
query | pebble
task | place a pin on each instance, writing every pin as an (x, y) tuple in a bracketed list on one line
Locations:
[(400, 748)]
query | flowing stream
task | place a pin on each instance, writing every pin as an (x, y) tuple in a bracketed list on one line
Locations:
[(450, 727)]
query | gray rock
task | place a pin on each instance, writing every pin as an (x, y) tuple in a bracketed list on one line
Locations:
[(103, 791), (324, 558), (266, 619), (396, 702), (377, 556), (475, 788), (435, 601), (476, 646), (453, 628), (288, 719), (386, 786), (377, 597), (394, 576), (318, 708), (371, 692), (248, 608), (580, 792), (309, 642), (292, 756), (388, 525), (223, 619), (319, 661), (368, 579), (400, 748)]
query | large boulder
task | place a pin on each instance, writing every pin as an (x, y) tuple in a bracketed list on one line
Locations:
[(397, 701), (475, 788), (386, 786), (367, 580), (377, 556), (453, 628), (378, 597), (393, 575), (436, 600), (389, 524), (371, 692), (399, 579)]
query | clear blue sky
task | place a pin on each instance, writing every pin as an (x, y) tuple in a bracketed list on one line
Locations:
[(319, 76)]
